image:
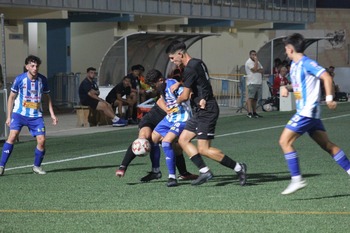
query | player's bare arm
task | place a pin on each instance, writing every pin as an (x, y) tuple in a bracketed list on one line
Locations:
[(10, 103), (328, 86), (52, 113), (185, 95)]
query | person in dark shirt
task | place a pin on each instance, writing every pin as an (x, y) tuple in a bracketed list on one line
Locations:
[(205, 115), (89, 96), (120, 96)]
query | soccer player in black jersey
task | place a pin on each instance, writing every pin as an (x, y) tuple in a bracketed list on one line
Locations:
[(146, 126), (202, 124)]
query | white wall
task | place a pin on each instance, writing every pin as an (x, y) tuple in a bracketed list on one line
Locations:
[(222, 54), (89, 43), (16, 52)]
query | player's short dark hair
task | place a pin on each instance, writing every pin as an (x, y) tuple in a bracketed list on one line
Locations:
[(153, 76), (90, 69), (175, 46), (297, 41), (138, 67), (32, 58), (127, 77), (176, 74)]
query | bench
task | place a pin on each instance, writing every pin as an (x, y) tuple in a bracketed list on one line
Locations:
[(87, 116)]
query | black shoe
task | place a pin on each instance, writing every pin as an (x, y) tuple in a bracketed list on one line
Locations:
[(151, 176), (242, 174), (132, 122), (250, 115), (171, 182), (255, 115), (202, 178)]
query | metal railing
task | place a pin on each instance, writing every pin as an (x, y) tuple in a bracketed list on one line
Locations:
[(64, 89), (227, 89)]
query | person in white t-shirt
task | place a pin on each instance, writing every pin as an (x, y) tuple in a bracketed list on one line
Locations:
[(254, 71)]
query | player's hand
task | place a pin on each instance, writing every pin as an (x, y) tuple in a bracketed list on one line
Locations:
[(202, 104), (8, 121), (331, 104), (54, 120), (284, 92)]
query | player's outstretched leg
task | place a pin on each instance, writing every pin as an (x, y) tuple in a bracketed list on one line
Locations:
[(128, 157)]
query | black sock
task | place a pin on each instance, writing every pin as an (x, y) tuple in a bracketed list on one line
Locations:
[(128, 157), (198, 161), (181, 164), (228, 162)]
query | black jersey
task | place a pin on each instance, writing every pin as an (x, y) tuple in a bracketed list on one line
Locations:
[(196, 77)]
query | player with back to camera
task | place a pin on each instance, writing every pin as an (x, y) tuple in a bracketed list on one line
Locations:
[(146, 126), (305, 76), (202, 124), (24, 109)]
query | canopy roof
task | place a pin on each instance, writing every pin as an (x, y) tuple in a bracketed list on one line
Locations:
[(145, 48)]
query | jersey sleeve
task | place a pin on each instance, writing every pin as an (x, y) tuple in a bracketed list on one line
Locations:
[(313, 68), (190, 77), (15, 85)]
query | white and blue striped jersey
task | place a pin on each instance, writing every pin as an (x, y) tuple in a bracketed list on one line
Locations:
[(180, 112), (29, 93), (306, 86)]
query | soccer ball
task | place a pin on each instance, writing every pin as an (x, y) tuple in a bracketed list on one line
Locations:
[(141, 147), (267, 107)]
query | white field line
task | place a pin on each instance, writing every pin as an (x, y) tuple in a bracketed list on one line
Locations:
[(121, 151)]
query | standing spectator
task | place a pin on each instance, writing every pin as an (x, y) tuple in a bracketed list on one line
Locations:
[(202, 124), (254, 72), (24, 109), (280, 80), (306, 75), (121, 96), (89, 96)]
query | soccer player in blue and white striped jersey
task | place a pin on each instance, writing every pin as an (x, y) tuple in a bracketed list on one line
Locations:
[(172, 124), (24, 109), (306, 76)]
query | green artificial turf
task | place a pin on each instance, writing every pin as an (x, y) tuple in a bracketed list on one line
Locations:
[(80, 192)]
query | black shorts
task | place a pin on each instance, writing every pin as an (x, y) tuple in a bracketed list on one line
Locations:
[(111, 100), (152, 118), (92, 103), (203, 122)]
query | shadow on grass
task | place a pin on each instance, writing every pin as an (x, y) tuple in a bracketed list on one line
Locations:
[(256, 178), (74, 169), (320, 198)]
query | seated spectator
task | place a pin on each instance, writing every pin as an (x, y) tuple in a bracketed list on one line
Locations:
[(280, 80), (120, 96), (146, 91), (88, 94)]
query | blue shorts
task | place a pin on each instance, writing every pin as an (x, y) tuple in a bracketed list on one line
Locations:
[(165, 127), (35, 125), (301, 124)]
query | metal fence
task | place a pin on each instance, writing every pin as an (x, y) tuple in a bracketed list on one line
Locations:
[(64, 89), (228, 90)]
